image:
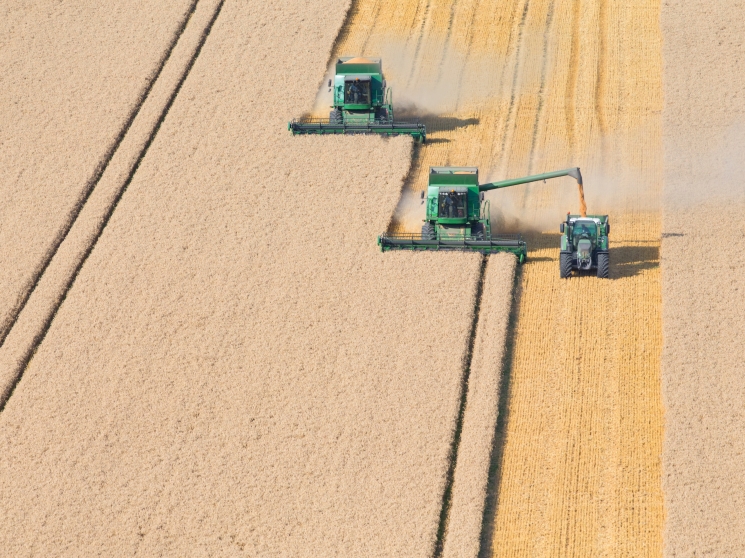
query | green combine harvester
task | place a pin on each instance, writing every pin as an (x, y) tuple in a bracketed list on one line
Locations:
[(584, 245), (362, 104), (457, 215)]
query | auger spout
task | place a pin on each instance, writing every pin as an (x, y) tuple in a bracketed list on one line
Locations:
[(573, 172)]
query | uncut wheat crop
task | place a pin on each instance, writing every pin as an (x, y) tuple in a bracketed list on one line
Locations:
[(237, 367), (703, 272), (73, 73)]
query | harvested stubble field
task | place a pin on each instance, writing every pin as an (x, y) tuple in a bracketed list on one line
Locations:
[(236, 368), (524, 88), (64, 103), (703, 271)]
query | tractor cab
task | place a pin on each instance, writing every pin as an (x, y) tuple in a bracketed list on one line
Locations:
[(583, 229)]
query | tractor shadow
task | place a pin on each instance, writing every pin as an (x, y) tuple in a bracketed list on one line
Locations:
[(628, 261)]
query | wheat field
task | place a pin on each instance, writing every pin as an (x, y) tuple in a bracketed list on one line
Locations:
[(90, 218), (525, 88), (202, 351), (63, 104), (236, 367), (703, 271)]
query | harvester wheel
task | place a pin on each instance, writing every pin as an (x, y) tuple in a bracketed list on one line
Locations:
[(381, 116), (335, 116), (603, 265), (477, 231), (428, 231), (565, 264)]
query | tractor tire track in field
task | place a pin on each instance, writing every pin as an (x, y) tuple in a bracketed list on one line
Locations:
[(541, 87), (486, 542), (95, 178), (15, 355), (509, 122), (571, 89)]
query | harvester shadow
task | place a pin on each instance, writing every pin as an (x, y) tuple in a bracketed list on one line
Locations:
[(449, 124), (436, 123), (628, 261), (494, 481)]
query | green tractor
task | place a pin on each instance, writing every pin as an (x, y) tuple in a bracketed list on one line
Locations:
[(457, 215), (362, 104), (584, 245)]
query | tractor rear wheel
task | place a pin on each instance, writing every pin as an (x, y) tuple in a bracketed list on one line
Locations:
[(428, 231), (603, 265), (565, 264)]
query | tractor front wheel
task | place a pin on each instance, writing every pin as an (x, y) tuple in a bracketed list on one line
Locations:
[(565, 264), (603, 265)]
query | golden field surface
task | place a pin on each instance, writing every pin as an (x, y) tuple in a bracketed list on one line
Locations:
[(523, 88), (235, 368), (703, 271)]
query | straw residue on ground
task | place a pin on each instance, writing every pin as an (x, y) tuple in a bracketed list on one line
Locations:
[(703, 273), (72, 75), (237, 367), (523, 88)]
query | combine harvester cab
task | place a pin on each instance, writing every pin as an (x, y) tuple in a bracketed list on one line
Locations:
[(584, 245), (457, 215), (362, 104)]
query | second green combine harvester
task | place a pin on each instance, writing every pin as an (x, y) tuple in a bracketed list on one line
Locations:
[(361, 104), (457, 215)]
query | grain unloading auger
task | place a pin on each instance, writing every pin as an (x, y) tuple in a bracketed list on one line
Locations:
[(457, 215), (362, 104)]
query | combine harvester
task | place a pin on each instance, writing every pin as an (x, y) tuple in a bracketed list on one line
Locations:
[(362, 104), (458, 215)]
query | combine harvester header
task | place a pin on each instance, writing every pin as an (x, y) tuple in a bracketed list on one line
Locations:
[(361, 104), (458, 216)]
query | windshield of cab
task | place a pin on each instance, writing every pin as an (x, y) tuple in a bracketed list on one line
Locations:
[(357, 92), (582, 228), (452, 205)]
